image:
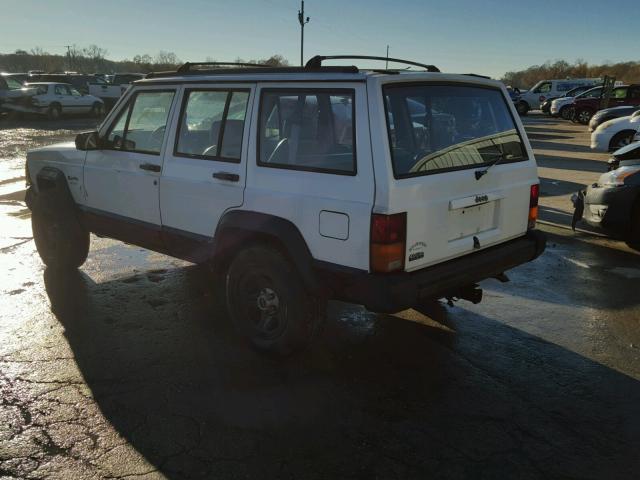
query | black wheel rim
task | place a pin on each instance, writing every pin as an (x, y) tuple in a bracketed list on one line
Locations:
[(264, 312)]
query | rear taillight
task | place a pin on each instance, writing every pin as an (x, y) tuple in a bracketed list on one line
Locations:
[(533, 206), (388, 236)]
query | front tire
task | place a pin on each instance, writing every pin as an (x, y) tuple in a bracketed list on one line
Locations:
[(566, 113), (61, 241), (268, 303), (584, 116), (621, 139)]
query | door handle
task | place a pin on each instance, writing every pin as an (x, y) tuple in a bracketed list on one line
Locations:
[(152, 167), (230, 177)]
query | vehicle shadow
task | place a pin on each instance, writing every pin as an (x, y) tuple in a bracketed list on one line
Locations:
[(376, 397), (42, 123), (545, 130), (561, 147), (551, 187), (568, 163)]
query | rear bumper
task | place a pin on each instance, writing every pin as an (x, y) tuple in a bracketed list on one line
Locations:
[(606, 208), (395, 292)]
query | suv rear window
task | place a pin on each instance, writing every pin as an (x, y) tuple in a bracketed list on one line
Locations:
[(438, 128), (308, 130)]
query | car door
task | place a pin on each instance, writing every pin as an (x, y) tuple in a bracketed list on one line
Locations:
[(121, 179), (62, 96), (81, 103), (204, 171)]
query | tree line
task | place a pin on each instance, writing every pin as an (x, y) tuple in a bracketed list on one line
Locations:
[(93, 59), (628, 72)]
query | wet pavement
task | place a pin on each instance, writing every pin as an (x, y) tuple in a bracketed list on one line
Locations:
[(130, 368)]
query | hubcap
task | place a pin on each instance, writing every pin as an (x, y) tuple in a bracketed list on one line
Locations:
[(584, 116), (268, 301)]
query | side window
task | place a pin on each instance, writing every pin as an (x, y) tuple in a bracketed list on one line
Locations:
[(212, 124), (544, 87), (141, 126), (309, 130), (61, 90), (619, 93)]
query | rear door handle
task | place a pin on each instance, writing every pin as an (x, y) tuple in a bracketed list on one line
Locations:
[(152, 167), (230, 177)]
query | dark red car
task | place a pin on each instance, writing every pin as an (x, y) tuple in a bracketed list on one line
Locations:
[(585, 108)]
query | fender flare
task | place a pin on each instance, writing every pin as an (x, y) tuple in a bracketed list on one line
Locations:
[(238, 228), (54, 179)]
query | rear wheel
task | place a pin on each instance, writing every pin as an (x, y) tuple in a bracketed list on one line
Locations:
[(61, 241), (54, 112), (584, 115), (621, 139), (268, 303)]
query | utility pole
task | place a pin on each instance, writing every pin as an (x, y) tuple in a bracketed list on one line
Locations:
[(386, 64), (303, 21), (69, 56)]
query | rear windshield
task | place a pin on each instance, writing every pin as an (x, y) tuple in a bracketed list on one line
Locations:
[(438, 128)]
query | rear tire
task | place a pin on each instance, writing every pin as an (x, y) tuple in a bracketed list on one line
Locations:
[(54, 112), (268, 303), (61, 241), (621, 139)]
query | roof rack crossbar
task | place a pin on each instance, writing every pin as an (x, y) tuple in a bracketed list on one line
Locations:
[(316, 62), (186, 67)]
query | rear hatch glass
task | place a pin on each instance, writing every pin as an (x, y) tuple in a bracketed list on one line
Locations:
[(438, 128)]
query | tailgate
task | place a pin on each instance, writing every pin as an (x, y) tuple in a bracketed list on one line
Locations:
[(440, 137)]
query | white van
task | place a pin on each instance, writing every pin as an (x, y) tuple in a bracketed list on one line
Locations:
[(545, 89)]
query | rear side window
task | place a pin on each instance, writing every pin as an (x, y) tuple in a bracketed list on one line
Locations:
[(141, 125), (310, 130), (438, 128), (212, 124)]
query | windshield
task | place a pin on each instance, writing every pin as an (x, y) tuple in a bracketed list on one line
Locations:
[(435, 128)]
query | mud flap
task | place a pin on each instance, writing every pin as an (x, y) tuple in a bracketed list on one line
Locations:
[(578, 204)]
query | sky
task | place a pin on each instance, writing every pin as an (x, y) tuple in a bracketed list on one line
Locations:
[(480, 36)]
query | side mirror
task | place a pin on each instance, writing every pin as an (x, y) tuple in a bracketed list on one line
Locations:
[(88, 141)]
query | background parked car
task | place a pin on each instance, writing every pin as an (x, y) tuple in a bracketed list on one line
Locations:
[(628, 95), (11, 88), (56, 99), (616, 133), (562, 106), (609, 114), (87, 84), (125, 79), (532, 99)]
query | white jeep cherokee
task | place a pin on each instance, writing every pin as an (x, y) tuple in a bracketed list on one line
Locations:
[(384, 188)]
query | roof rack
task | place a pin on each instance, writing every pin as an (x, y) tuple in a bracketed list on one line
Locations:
[(316, 62), (187, 66)]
